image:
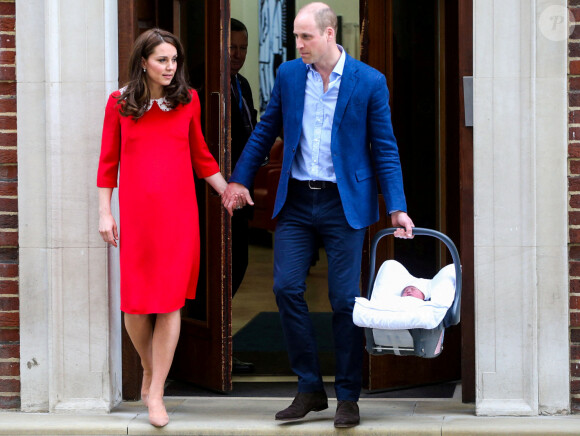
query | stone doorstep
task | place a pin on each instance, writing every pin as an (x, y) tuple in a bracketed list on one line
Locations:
[(255, 417)]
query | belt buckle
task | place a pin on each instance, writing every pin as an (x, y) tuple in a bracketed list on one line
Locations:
[(313, 187)]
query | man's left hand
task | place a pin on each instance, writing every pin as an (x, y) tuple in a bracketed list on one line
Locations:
[(401, 219)]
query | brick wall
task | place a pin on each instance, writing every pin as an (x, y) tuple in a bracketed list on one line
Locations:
[(9, 320), (574, 202)]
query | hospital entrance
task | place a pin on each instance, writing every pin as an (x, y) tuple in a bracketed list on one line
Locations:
[(422, 55)]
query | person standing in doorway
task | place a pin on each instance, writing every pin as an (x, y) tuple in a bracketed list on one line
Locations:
[(338, 140), (152, 126), (243, 120)]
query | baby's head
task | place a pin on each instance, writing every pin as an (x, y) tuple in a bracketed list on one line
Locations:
[(412, 291)]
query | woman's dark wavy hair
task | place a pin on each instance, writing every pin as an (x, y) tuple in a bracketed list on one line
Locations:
[(136, 95)]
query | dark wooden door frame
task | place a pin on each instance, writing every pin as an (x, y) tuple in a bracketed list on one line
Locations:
[(466, 207), (128, 30)]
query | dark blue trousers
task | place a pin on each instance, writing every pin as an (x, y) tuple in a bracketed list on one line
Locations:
[(309, 215)]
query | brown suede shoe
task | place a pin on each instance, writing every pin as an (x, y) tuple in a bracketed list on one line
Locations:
[(347, 414), (303, 403)]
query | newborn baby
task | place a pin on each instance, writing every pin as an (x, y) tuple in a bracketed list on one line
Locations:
[(412, 286), (412, 291)]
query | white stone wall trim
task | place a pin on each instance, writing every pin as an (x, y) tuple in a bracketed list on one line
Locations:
[(67, 63), (520, 185)]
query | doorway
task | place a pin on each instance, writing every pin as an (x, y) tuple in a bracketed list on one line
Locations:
[(419, 54)]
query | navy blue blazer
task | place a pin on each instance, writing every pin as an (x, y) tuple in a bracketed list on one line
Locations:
[(363, 145)]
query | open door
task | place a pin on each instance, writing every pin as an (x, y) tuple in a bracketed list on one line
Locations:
[(419, 52), (203, 354)]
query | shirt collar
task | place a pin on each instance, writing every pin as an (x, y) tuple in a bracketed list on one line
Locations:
[(339, 67), (161, 102)]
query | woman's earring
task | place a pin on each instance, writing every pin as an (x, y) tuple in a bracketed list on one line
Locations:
[(144, 70)]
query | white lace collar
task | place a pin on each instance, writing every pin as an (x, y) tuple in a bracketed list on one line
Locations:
[(161, 102)]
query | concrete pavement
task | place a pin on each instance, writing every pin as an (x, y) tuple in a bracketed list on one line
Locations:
[(255, 416)]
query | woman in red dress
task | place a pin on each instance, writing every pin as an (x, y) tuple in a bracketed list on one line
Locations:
[(152, 131)]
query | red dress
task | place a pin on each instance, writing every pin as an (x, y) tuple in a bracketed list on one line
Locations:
[(159, 223)]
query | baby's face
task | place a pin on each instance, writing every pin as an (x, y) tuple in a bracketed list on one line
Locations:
[(412, 291)]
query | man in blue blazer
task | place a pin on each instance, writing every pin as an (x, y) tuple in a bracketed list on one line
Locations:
[(338, 140)]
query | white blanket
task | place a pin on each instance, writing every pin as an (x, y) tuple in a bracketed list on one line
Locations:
[(389, 311)]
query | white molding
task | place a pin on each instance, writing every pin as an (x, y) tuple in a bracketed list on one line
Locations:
[(82, 406), (69, 311), (506, 406), (520, 143)]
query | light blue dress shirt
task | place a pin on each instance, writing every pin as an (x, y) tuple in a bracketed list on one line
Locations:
[(313, 159)]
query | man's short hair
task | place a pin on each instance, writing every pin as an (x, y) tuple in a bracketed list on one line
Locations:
[(325, 17), (237, 26)]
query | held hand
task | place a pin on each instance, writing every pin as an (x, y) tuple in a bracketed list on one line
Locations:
[(401, 219), (236, 196), (108, 229)]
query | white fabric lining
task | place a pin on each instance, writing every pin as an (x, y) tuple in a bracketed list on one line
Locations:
[(388, 310)]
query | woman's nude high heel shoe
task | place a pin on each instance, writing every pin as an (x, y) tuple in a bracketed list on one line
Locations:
[(159, 416)]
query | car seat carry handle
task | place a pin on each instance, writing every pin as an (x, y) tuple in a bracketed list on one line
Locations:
[(454, 313)]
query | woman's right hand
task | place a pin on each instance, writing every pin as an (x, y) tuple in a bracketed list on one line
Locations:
[(108, 228)]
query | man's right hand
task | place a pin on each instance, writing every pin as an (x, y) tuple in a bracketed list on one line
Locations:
[(401, 219), (236, 196)]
